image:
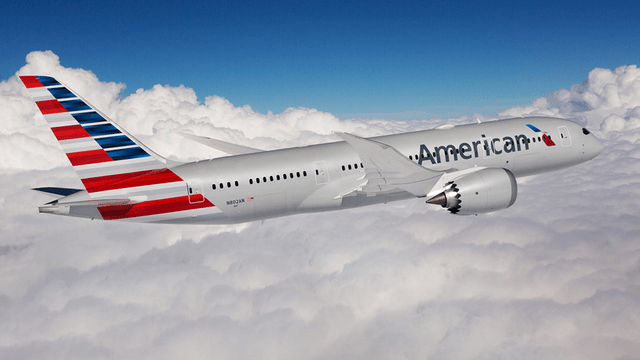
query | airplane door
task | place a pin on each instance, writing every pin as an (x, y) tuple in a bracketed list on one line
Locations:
[(194, 192), (322, 175), (565, 139)]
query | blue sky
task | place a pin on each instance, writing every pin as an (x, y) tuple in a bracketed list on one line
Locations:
[(385, 59)]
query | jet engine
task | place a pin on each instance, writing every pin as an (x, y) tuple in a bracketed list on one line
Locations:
[(480, 192)]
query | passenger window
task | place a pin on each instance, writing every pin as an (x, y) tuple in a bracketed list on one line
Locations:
[(278, 177), (236, 183), (213, 186), (250, 181), (304, 173), (257, 180), (284, 176), (317, 173), (343, 169), (349, 166), (291, 175), (355, 166), (410, 157), (221, 186), (271, 178), (228, 184), (264, 179), (298, 173)]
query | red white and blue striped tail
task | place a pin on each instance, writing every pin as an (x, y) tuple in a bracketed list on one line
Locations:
[(123, 178), (104, 155)]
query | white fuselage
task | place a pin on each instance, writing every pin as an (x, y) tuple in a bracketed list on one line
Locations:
[(469, 169), (325, 177)]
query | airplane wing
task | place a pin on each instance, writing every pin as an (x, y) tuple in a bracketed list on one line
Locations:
[(386, 168), (226, 147)]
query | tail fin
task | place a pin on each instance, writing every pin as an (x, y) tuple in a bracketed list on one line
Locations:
[(104, 156)]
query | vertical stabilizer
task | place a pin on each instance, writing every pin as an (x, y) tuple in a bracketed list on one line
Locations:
[(104, 156), (123, 178)]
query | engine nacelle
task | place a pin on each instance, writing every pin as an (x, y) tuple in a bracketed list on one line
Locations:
[(480, 192)]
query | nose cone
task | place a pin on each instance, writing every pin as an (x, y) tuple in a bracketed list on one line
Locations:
[(593, 147), (598, 146)]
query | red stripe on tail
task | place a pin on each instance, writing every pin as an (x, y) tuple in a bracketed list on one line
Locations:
[(152, 207), (88, 157), (69, 132), (121, 181), (31, 82), (50, 107)]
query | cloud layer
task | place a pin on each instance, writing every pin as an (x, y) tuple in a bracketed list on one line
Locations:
[(555, 276)]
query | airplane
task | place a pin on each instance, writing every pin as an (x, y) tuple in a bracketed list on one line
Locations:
[(466, 169)]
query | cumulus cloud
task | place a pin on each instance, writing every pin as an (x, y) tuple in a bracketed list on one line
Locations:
[(555, 276), (603, 94)]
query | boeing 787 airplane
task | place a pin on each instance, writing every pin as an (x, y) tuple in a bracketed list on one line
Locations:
[(468, 169)]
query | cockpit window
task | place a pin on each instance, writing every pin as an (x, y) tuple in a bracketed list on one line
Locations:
[(585, 131)]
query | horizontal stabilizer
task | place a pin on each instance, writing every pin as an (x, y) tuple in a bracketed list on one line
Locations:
[(225, 147), (131, 200), (100, 202), (57, 190), (86, 208)]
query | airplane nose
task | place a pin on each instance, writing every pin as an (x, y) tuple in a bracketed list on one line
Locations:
[(594, 147), (598, 147)]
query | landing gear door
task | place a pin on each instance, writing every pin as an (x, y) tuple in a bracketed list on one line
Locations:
[(322, 175), (194, 192), (565, 139)]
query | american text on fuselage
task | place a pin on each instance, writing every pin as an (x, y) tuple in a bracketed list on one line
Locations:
[(511, 144)]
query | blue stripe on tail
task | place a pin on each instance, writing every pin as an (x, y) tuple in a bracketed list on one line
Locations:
[(114, 141)]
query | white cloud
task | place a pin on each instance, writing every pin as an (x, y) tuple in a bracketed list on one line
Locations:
[(557, 275), (604, 93)]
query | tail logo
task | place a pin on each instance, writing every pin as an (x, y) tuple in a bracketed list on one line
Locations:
[(115, 168), (545, 137)]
